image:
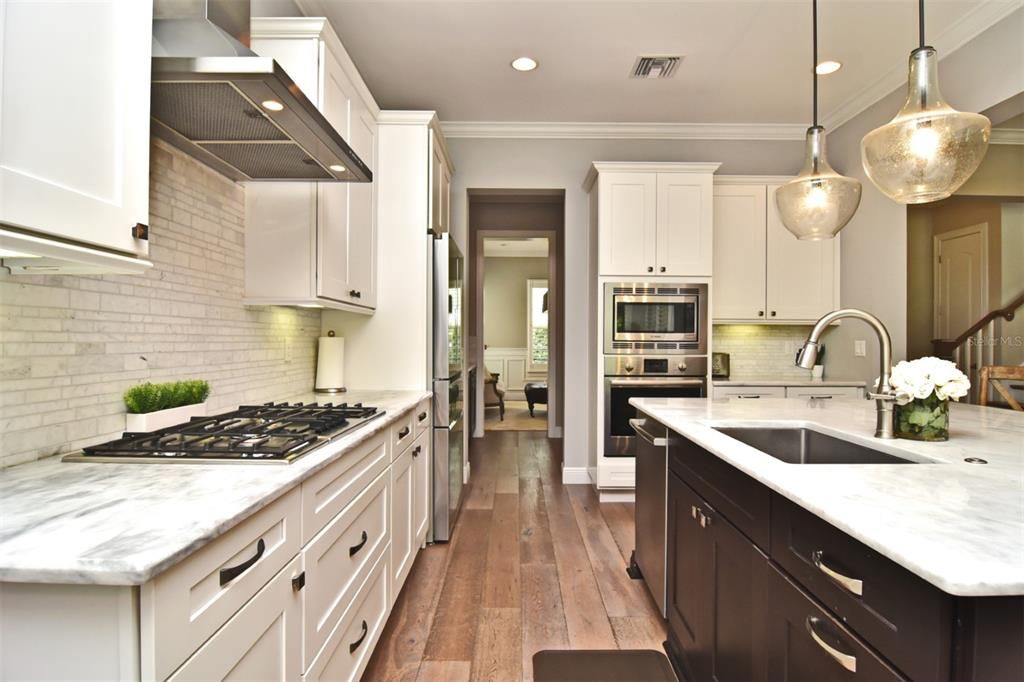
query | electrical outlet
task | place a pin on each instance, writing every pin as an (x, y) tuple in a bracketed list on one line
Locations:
[(289, 349), (860, 348)]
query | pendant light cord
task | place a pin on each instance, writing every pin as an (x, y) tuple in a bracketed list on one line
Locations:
[(814, 63), (920, 22)]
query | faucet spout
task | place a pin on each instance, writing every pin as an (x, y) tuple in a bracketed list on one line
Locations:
[(882, 394)]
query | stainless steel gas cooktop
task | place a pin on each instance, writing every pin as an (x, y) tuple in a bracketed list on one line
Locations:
[(273, 433)]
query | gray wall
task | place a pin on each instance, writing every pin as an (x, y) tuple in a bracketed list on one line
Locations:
[(505, 299), (563, 164)]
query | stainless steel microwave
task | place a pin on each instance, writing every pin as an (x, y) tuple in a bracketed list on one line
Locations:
[(655, 317)]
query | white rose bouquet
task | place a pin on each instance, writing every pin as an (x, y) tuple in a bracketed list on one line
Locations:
[(923, 389)]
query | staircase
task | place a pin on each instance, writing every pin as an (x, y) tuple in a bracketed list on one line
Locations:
[(976, 347)]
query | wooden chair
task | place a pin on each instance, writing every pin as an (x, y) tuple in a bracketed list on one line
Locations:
[(996, 374), (494, 395)]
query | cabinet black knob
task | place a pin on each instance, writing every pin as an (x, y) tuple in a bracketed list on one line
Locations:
[(760, 313), (663, 268), (650, 269), (140, 231), (355, 294), (773, 313)]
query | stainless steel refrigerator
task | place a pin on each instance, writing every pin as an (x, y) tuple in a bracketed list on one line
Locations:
[(448, 385)]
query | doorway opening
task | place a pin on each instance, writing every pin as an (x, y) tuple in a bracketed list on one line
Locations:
[(515, 309)]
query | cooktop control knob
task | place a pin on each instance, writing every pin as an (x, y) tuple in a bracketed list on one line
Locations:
[(681, 366), (630, 368)]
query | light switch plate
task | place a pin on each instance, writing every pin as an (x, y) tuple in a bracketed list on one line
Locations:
[(860, 348)]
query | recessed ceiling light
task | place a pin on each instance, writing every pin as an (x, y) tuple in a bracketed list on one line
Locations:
[(271, 105), (524, 64), (825, 68), (337, 168)]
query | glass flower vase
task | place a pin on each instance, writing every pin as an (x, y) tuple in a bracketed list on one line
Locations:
[(923, 419)]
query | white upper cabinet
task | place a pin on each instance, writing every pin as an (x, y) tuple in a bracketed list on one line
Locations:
[(739, 263), (74, 130), (313, 243), (762, 272), (654, 219), (440, 187)]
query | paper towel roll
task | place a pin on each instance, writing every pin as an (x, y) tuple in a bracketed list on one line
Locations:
[(330, 365)]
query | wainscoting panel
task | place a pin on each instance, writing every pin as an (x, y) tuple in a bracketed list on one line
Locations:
[(510, 363)]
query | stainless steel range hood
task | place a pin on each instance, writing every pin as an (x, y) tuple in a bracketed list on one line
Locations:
[(235, 111)]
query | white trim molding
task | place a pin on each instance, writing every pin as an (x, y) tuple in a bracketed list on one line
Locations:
[(576, 476), (1007, 136), (623, 131), (987, 14)]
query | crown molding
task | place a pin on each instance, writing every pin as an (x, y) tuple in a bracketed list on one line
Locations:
[(974, 23), (696, 167), (1007, 136), (407, 118), (751, 179), (623, 131)]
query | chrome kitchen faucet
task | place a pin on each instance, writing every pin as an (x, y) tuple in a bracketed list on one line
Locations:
[(883, 395)]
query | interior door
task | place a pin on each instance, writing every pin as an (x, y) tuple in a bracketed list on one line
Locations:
[(801, 274), (739, 257), (961, 280)]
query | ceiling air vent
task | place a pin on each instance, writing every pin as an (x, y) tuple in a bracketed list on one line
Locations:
[(655, 67)]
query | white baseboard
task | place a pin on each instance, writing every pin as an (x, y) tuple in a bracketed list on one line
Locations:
[(576, 476), (616, 496)]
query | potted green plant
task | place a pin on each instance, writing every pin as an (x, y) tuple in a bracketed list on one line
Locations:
[(156, 406)]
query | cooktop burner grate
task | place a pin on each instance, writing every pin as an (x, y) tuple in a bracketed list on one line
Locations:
[(273, 432)]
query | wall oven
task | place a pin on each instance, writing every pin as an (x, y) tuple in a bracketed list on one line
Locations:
[(644, 376), (660, 317)]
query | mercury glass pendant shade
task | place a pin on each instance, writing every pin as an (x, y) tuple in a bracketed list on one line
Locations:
[(818, 202), (930, 149)]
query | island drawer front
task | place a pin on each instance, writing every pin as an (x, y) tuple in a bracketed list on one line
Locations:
[(403, 433), (338, 560), (901, 615), (736, 496), (350, 644), (422, 416), (806, 642), (329, 491), (822, 392), (749, 392), (190, 601), (265, 635)]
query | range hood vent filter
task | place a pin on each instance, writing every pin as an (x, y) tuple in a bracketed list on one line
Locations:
[(211, 112), (282, 161)]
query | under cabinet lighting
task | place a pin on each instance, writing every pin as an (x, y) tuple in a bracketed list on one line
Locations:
[(272, 105), (337, 168)]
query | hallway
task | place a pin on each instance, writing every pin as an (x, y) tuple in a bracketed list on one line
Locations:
[(533, 565)]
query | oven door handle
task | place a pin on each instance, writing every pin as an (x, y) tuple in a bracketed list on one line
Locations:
[(638, 426), (665, 383)]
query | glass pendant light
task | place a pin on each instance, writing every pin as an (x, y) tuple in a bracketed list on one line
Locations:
[(930, 149), (818, 202)]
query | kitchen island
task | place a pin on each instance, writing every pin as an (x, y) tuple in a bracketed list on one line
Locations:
[(911, 570), (171, 571)]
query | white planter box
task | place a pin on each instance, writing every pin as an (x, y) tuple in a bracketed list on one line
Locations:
[(153, 421)]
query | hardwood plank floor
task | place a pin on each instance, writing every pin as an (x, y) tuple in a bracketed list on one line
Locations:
[(532, 565)]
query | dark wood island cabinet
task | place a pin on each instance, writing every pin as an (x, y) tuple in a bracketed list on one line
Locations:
[(761, 589)]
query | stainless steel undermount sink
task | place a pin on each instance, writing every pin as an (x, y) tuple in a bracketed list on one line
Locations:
[(804, 446)]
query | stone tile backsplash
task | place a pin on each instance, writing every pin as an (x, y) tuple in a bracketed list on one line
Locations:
[(71, 345), (762, 350)]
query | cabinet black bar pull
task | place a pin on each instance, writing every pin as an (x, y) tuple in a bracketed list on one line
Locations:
[(355, 645), (416, 450), (229, 574), (421, 417), (403, 433), (355, 548), (844, 659), (140, 231)]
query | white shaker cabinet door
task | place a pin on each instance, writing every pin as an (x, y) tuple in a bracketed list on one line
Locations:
[(801, 282), (739, 257), (74, 119), (403, 544), (263, 641), (684, 224), (362, 237), (421, 492), (334, 252), (627, 219)]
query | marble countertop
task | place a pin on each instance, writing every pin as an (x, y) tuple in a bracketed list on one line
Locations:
[(775, 380), (122, 524), (959, 526)]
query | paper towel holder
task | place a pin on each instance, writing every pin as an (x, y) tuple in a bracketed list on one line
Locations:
[(317, 387)]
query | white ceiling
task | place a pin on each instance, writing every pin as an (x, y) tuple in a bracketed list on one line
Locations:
[(517, 247), (745, 61)]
